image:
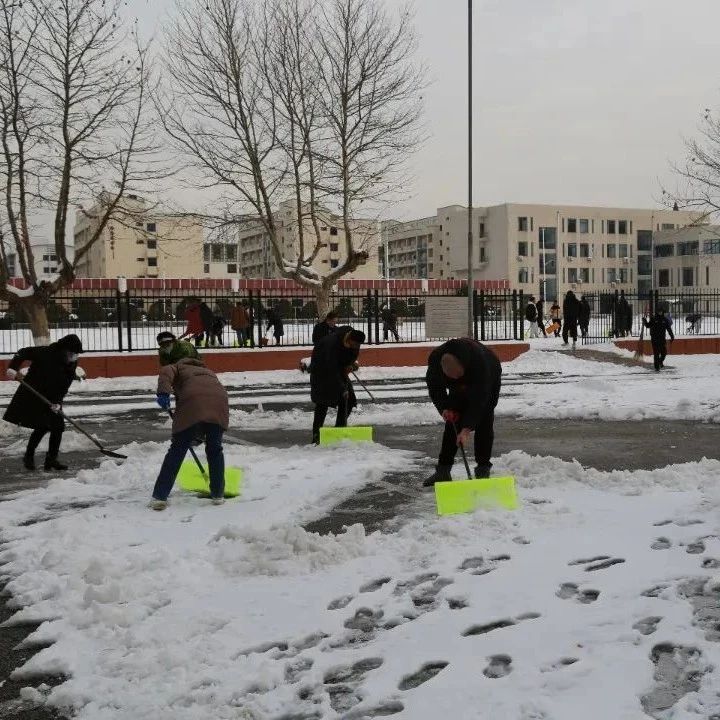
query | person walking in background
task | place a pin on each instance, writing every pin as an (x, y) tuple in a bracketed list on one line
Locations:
[(324, 327), (463, 380), (216, 330), (52, 370), (201, 411), (275, 322), (390, 322), (659, 325), (240, 322), (584, 316), (332, 361), (555, 317), (623, 316), (571, 314), (531, 315), (540, 305)]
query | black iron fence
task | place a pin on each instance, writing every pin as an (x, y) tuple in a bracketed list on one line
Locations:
[(113, 320)]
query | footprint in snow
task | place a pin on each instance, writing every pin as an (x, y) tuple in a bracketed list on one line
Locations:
[(560, 664), (599, 562), (711, 563), (499, 666), (662, 543), (425, 673), (571, 590), (648, 625), (695, 548), (499, 624), (374, 585)]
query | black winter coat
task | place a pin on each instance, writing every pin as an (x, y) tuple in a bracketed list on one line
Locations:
[(322, 330), (329, 365), (584, 314), (476, 392), (658, 326), (50, 375), (571, 308), (531, 313)]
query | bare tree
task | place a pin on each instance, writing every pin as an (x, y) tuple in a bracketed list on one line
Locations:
[(74, 87), (315, 102)]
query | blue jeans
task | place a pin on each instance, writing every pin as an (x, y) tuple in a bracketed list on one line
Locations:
[(176, 454)]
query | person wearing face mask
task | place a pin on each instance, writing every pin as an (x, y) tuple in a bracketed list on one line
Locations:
[(52, 370)]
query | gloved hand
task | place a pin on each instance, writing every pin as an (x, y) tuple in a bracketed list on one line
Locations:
[(464, 436), (163, 400), (56, 408), (11, 374), (80, 374), (451, 416), (355, 366)]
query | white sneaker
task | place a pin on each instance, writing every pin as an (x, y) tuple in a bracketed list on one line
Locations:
[(217, 501), (157, 504)]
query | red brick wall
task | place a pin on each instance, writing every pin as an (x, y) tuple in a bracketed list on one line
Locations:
[(681, 346)]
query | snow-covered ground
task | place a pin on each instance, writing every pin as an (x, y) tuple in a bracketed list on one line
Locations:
[(598, 598)]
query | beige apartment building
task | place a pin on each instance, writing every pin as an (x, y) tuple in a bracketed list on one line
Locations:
[(248, 253), (544, 250), (141, 242), (687, 260)]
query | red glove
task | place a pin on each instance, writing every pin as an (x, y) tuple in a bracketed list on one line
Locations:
[(451, 416)]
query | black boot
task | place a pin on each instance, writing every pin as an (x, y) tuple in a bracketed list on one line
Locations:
[(482, 471), (441, 474), (51, 463), (29, 461)]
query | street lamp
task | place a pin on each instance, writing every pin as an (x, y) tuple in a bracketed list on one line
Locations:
[(471, 309)]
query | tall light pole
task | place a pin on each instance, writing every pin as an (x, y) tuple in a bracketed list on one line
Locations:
[(471, 309)]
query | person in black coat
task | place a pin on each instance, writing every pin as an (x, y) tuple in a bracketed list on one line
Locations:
[(275, 322), (52, 370), (584, 316), (332, 360), (463, 380), (659, 324), (571, 315), (324, 328), (540, 306)]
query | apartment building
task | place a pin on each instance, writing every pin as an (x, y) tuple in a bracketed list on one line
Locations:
[(140, 241), (543, 250), (687, 259), (248, 252)]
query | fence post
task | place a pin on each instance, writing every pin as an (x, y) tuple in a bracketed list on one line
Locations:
[(376, 314), (482, 317), (654, 301), (259, 319), (118, 315), (251, 319), (475, 314), (129, 320), (514, 314), (369, 317), (521, 314)]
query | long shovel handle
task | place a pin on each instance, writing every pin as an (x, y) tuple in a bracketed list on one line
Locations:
[(192, 452), (102, 449), (464, 456), (364, 387)]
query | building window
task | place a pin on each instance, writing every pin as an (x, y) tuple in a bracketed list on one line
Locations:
[(430, 267), (584, 226), (572, 275), (644, 265), (334, 263), (151, 227), (152, 262), (664, 278), (572, 250), (522, 224), (217, 253), (707, 274), (667, 226), (622, 250), (622, 227), (206, 268), (611, 227), (482, 230), (612, 275), (572, 225), (688, 277), (711, 247), (152, 244), (232, 268), (333, 231), (644, 239), (623, 275), (334, 247), (523, 249), (612, 251), (664, 250), (584, 275), (231, 253), (483, 254), (584, 250), (523, 275), (688, 248)]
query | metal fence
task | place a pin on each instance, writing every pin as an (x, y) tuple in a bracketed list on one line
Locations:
[(111, 320)]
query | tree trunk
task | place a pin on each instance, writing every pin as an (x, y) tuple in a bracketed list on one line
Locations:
[(322, 300), (36, 313)]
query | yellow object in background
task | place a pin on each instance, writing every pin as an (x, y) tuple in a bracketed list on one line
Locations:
[(357, 433), (191, 480), (463, 496)]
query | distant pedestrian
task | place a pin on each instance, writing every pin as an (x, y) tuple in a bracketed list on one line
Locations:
[(694, 321), (555, 317), (240, 322), (332, 361), (624, 316), (52, 370), (539, 305), (274, 322), (390, 323), (584, 316), (659, 326), (463, 380), (216, 330), (324, 327), (201, 411), (531, 315), (571, 315)]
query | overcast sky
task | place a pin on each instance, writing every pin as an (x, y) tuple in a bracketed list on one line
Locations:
[(575, 101)]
